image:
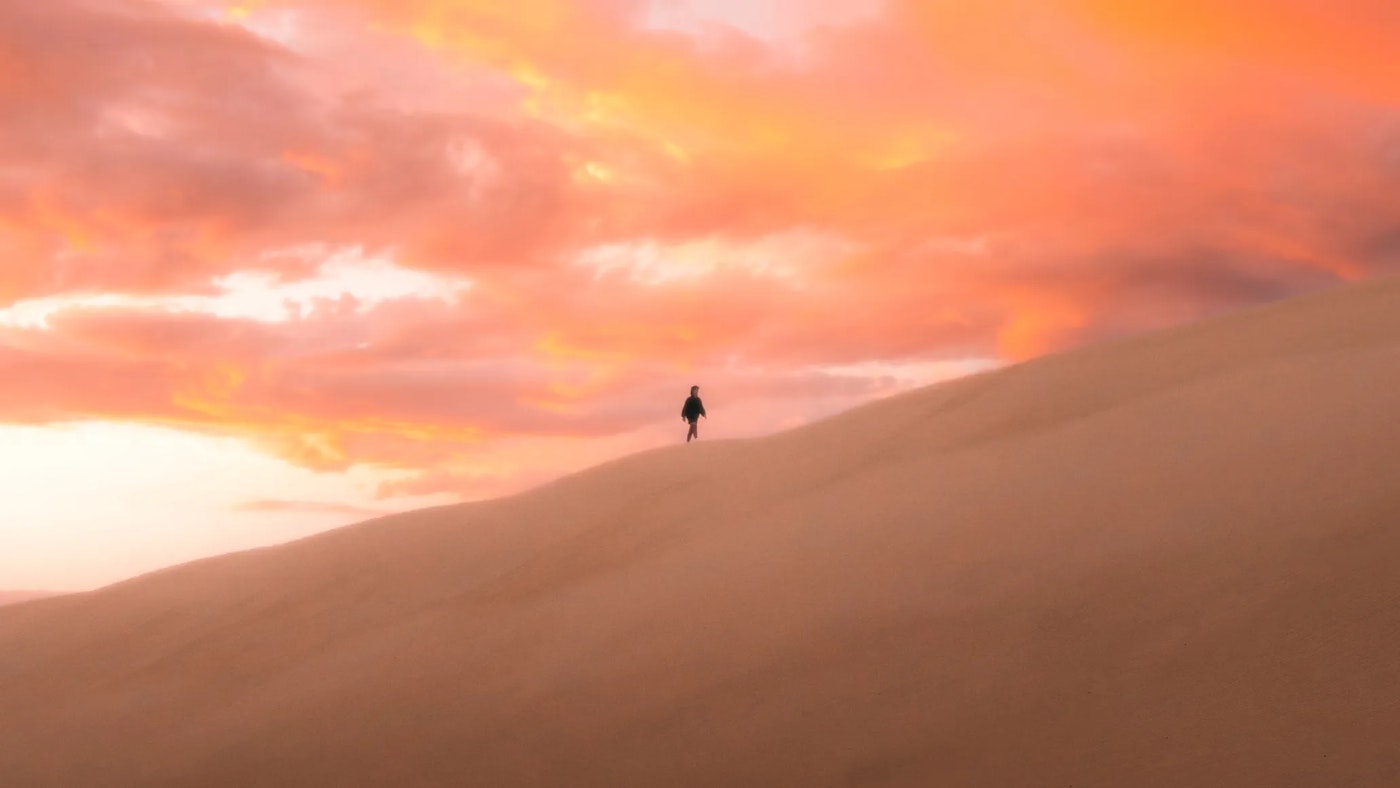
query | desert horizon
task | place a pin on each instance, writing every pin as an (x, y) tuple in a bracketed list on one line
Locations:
[(15, 597)]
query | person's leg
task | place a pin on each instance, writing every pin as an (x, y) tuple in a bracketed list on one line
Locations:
[(694, 431)]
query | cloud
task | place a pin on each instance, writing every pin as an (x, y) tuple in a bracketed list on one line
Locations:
[(582, 206)]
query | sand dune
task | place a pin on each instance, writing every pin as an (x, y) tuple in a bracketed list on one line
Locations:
[(1167, 561)]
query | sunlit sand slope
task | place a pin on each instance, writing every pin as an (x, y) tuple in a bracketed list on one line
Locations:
[(1168, 561)]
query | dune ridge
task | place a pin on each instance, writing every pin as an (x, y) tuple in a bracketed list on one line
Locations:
[(15, 597), (1167, 560)]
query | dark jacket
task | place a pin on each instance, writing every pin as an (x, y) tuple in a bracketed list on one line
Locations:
[(693, 409)]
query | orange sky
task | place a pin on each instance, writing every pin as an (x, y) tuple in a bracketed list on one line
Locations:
[(411, 251)]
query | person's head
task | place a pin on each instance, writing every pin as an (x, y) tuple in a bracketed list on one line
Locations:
[(694, 390)]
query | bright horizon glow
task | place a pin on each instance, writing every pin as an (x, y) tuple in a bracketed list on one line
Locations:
[(93, 504), (273, 264)]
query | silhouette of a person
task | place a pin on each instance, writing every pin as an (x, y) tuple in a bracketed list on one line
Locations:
[(692, 412)]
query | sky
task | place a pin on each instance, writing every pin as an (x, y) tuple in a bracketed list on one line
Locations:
[(269, 267)]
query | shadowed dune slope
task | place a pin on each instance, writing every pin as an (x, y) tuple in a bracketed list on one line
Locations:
[(1165, 561)]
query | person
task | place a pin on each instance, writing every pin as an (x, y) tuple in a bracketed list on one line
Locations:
[(692, 412)]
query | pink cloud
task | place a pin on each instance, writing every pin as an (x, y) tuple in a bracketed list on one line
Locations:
[(982, 180)]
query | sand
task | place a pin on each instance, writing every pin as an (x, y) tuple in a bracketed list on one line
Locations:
[(1172, 560)]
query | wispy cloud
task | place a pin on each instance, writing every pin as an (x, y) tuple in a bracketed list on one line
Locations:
[(307, 507)]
